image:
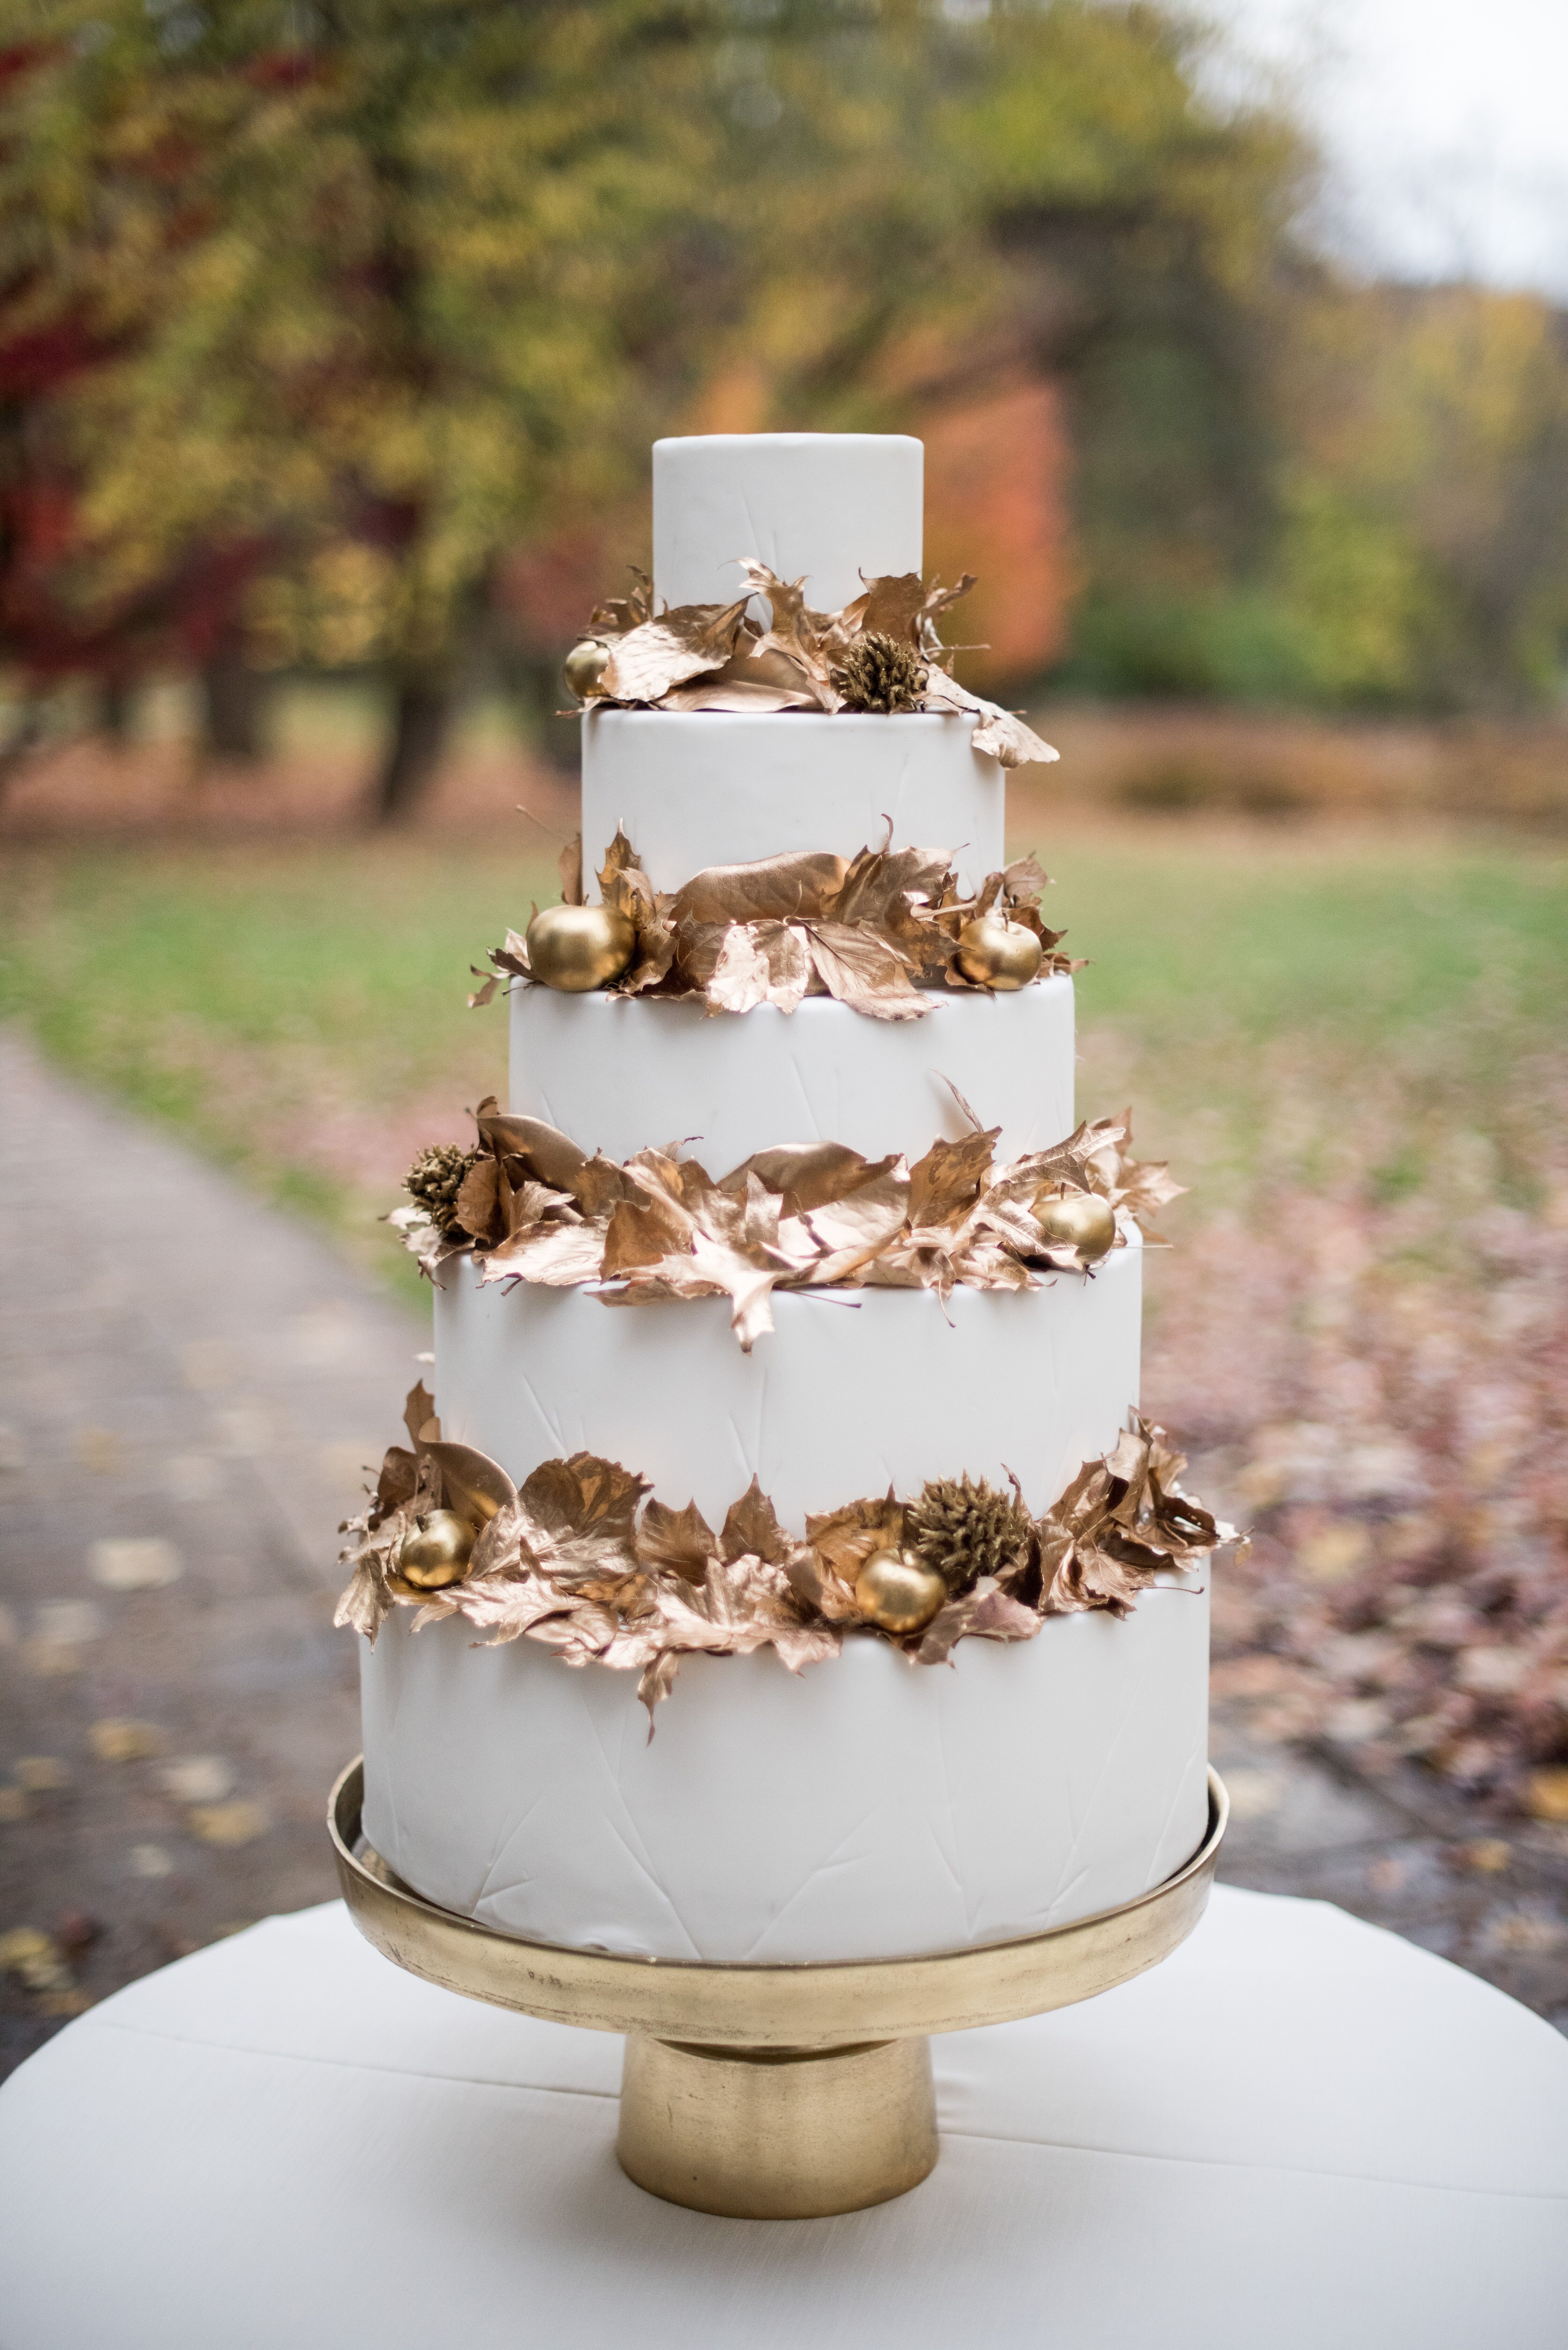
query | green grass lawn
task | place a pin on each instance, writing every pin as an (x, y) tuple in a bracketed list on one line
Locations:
[(1283, 1008)]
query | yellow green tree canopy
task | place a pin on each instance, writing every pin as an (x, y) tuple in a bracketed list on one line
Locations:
[(359, 298), (378, 280)]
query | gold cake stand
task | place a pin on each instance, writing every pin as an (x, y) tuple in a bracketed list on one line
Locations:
[(770, 2092)]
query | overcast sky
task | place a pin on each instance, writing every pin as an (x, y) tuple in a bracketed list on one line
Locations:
[(1448, 123)]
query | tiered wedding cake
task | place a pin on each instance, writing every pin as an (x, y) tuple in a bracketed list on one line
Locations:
[(901, 1788)]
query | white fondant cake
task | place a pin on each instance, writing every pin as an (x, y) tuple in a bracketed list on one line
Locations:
[(835, 508), (702, 787), (852, 1392), (866, 1806), (616, 1074)]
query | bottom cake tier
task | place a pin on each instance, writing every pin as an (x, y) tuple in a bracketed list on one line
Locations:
[(866, 1808)]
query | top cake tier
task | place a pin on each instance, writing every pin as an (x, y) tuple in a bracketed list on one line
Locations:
[(832, 506)]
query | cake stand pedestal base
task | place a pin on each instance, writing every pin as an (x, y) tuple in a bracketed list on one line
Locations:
[(770, 2092), (777, 2133)]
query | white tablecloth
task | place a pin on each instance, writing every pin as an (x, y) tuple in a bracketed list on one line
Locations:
[(1299, 2131)]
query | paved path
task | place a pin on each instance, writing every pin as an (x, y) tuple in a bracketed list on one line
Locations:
[(189, 1385), (180, 1367)]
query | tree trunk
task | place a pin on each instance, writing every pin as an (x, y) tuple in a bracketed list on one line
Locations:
[(20, 743), (116, 699), (557, 739), (423, 716), (233, 698)]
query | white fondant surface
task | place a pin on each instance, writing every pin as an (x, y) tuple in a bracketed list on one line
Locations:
[(832, 506), (617, 1074), (850, 1393), (695, 788), (862, 1809)]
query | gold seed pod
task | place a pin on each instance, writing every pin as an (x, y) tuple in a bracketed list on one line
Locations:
[(436, 1552), (897, 1594), (1079, 1219), (995, 953), (584, 667), (576, 948)]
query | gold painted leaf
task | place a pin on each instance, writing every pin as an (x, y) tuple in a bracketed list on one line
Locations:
[(363, 1607), (1000, 731), (480, 1207), (420, 1415), (946, 1183), (475, 1487), (551, 1155), (860, 969), (857, 1226), (679, 1539), (760, 962), (878, 880), (806, 1174), (787, 888), (793, 637), (618, 616), (844, 1539), (689, 642), (752, 1524), (1023, 880), (554, 1255), (577, 1517), (620, 862), (400, 1475), (986, 1613)]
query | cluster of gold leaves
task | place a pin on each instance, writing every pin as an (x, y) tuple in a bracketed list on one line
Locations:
[(815, 1215), (581, 1559), (716, 656), (870, 930)]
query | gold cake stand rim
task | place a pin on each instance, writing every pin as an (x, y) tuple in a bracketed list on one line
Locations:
[(777, 2005)]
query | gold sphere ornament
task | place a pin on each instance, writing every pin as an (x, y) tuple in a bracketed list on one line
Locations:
[(584, 666), (576, 948), (436, 1552), (998, 953), (1079, 1219), (897, 1594)]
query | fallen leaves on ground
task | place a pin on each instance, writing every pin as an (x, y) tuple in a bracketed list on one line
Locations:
[(1381, 1386)]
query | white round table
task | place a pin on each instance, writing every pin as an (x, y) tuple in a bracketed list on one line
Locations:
[(1298, 2131)]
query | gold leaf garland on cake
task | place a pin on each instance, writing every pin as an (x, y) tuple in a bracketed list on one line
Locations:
[(583, 1559), (873, 930), (716, 656), (534, 1206)]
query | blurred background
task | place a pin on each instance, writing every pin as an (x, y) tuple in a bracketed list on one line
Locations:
[(332, 340)]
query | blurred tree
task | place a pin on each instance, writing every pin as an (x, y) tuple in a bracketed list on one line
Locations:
[(1148, 228), (945, 210), (1424, 556), (375, 304), (377, 274)]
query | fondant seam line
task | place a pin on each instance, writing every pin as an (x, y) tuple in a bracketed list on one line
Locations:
[(1275, 2169)]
